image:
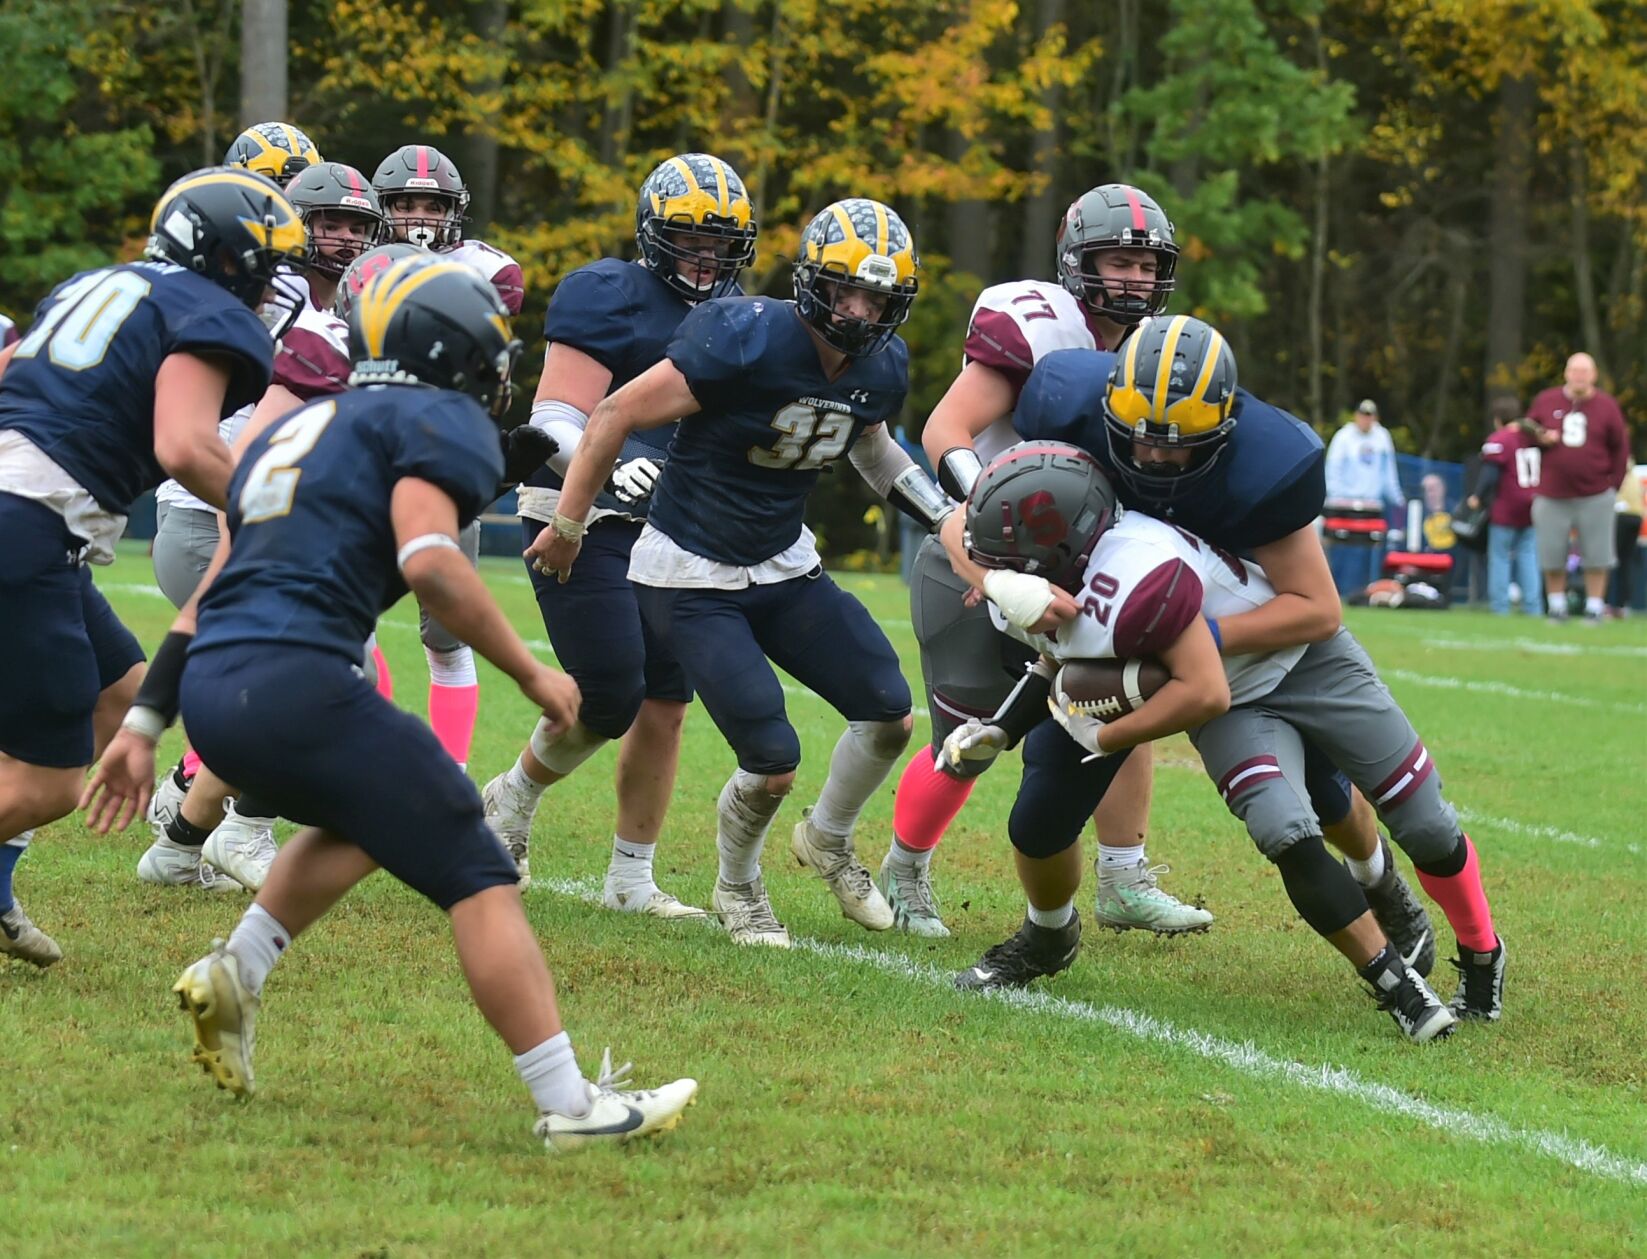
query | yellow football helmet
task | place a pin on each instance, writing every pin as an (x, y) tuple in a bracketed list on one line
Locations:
[(695, 195), (276, 149), (861, 244)]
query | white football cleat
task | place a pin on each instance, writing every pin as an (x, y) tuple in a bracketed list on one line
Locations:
[(651, 900), (242, 848), (848, 878), (225, 1018), (510, 824), (164, 803), (172, 865), (747, 915), (20, 938), (616, 1114)]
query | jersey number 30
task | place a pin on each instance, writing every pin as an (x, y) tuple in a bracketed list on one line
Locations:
[(272, 483), (810, 438), (84, 319)]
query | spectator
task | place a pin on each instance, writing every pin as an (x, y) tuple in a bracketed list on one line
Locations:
[(1627, 514), (1586, 453), (1361, 471), (1508, 477)]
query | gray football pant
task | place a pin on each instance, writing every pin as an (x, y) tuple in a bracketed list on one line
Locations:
[(968, 665), (184, 539), (1333, 697), (436, 637)]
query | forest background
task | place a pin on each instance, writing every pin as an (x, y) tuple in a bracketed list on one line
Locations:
[(1425, 202)]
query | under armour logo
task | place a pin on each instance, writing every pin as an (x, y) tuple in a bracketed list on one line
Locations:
[(859, 395)]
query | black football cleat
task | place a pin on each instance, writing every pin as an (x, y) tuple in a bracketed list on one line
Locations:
[(1029, 955), (1402, 994), (1405, 921), (1480, 992)]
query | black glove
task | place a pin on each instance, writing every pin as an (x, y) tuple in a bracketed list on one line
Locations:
[(525, 450)]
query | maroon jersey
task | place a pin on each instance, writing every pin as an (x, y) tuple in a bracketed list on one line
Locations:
[(1594, 449), (1518, 459)]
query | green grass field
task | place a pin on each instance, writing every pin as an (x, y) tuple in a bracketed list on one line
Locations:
[(1231, 1093)]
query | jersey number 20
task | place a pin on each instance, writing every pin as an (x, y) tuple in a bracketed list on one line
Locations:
[(272, 482), (810, 438)]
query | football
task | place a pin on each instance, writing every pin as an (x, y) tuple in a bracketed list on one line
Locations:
[(1107, 689)]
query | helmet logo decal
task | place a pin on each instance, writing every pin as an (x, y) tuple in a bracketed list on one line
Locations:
[(1041, 517), (878, 269), (419, 181)]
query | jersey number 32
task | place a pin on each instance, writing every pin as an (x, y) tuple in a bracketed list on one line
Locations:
[(809, 439)]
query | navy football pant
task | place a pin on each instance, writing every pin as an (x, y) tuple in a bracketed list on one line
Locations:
[(598, 633), (61, 644), (1058, 792), (301, 729), (807, 626)]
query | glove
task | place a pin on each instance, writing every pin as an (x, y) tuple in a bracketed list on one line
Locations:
[(974, 740), (1022, 597), (635, 479), (525, 450), (1079, 726)]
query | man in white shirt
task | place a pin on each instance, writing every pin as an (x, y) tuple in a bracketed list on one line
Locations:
[(1361, 469)]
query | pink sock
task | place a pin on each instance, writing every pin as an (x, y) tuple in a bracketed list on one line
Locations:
[(926, 802), (191, 763), (1463, 900), (452, 711), (385, 683)]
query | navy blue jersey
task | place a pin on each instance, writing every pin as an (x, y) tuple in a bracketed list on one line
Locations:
[(313, 556), (1269, 481), (623, 316), (740, 469), (80, 386)]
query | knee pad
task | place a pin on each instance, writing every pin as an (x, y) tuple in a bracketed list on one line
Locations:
[(1324, 892), (885, 740), (610, 702), (451, 666), (1424, 825), (564, 752), (1330, 791)]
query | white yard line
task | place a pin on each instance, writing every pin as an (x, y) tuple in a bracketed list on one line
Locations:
[(1478, 687), (1532, 646), (1241, 1056), (1533, 830)]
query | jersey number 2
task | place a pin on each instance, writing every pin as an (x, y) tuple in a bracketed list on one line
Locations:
[(810, 439), (84, 319), (272, 484)]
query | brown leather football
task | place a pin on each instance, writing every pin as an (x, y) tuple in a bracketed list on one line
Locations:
[(1107, 689)]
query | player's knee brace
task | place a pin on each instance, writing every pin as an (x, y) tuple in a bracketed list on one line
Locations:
[(1424, 825), (1324, 893), (564, 752), (886, 740)]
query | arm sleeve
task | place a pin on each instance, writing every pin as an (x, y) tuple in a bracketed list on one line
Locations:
[(450, 443), (1486, 479), (591, 313), (1158, 610)]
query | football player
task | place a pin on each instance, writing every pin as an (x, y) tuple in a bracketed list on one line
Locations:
[(8, 332), (124, 377), (194, 815), (1328, 694), (333, 511), (767, 394), (1251, 482), (1116, 261), (607, 323), (277, 150), (426, 202)]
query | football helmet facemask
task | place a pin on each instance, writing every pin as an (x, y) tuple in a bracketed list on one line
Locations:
[(325, 192), (420, 170), (695, 225), (1116, 216)]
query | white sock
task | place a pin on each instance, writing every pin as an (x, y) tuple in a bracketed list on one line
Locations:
[(551, 1071), (631, 864), (1111, 857), (863, 756), (21, 840), (452, 668), (742, 817), (1594, 607), (257, 944), (1369, 871), (907, 861), (1053, 918), (523, 788)]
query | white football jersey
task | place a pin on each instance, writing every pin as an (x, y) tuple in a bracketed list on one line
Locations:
[(1013, 326), (1146, 583), (8, 332), (498, 267)]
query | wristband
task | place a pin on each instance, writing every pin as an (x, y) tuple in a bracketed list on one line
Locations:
[(1217, 634), (566, 527), (144, 722)]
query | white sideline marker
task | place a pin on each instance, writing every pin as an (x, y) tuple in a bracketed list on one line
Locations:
[(1242, 1056)]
